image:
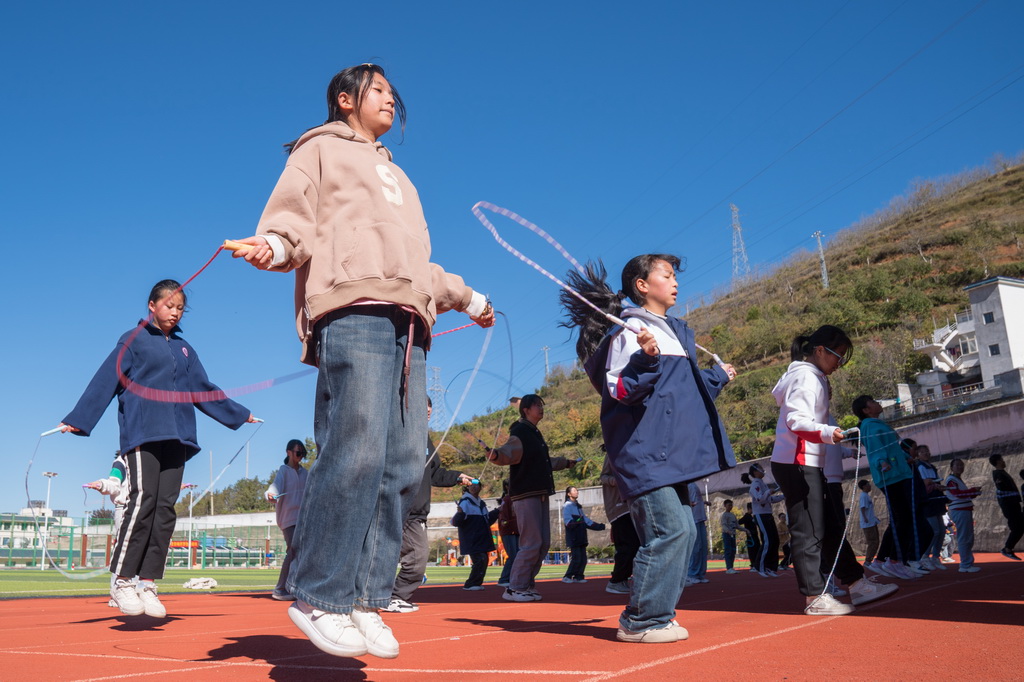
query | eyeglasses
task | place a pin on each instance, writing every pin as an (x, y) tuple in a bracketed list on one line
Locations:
[(842, 359)]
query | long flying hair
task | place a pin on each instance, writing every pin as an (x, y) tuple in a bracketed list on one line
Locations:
[(591, 284)]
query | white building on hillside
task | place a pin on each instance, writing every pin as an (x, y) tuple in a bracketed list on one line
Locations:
[(979, 355)]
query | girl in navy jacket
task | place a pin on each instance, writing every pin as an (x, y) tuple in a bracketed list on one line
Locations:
[(659, 423), (157, 379)]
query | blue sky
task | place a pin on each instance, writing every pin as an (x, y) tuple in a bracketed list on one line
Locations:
[(140, 136)]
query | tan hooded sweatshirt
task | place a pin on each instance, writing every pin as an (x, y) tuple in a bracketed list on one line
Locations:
[(353, 229)]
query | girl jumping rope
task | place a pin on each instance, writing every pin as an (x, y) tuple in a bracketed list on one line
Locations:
[(157, 438), (349, 223), (659, 423), (803, 436)]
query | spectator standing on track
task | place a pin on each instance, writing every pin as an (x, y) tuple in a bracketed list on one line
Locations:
[(762, 499), (412, 562), (474, 520), (1009, 500), (530, 485), (782, 527), (753, 543), (868, 522), (508, 531), (698, 569), (286, 494), (934, 507), (624, 536), (730, 524), (576, 525), (961, 511)]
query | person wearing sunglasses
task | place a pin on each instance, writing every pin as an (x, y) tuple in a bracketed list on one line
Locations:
[(286, 495)]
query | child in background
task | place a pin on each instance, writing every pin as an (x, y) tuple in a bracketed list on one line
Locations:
[(753, 542), (349, 223), (157, 438), (659, 424), (624, 536), (868, 523), (576, 525), (697, 572), (762, 499), (729, 525), (290, 484), (804, 430), (961, 511), (508, 530), (474, 520)]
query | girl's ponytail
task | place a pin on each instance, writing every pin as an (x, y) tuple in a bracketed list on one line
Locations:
[(797, 350), (745, 478), (591, 285)]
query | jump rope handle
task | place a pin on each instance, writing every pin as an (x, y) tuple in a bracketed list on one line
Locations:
[(851, 432), (50, 432), (232, 245)]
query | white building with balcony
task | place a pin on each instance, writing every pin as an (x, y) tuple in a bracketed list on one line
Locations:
[(977, 356)]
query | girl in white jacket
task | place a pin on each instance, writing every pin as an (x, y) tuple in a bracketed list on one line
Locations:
[(804, 430)]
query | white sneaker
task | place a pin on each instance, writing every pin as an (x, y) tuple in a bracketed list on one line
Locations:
[(834, 589), (918, 568), (771, 574), (397, 605), (898, 570), (730, 571), (579, 580), (691, 581), (332, 633), (567, 579), (150, 602), (380, 641), (963, 569), (704, 580), (473, 588), (826, 605), (515, 595), (502, 584), (935, 564), (879, 568), (617, 588), (127, 599), (681, 632), (867, 590), (658, 635)]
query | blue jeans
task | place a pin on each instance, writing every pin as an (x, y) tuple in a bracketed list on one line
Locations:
[(369, 462), (729, 547), (511, 544), (964, 522), (664, 523), (699, 558)]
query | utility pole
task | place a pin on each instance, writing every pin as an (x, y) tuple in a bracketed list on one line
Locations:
[(821, 255), (547, 369), (46, 519), (740, 265), (436, 392)]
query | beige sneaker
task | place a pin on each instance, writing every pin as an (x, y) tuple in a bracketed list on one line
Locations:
[(126, 598), (668, 632)]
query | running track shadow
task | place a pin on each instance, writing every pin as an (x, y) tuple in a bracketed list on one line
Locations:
[(580, 628), (291, 658), (132, 623)]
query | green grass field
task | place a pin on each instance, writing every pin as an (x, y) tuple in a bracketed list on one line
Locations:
[(28, 582)]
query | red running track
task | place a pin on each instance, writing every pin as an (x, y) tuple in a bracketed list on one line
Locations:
[(946, 625)]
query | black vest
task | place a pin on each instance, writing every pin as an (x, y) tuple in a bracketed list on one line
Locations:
[(532, 476)]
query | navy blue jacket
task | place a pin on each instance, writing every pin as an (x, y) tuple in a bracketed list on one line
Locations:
[(153, 361), (666, 429), (474, 520)]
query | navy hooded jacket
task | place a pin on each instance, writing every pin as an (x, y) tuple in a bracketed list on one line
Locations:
[(154, 361), (663, 428)]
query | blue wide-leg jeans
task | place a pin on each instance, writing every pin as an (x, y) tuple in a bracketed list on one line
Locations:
[(369, 430), (664, 523)]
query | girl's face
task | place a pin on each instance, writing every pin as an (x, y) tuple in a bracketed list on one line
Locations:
[(376, 110), (828, 360), (167, 312), (572, 493), (659, 288), (957, 467)]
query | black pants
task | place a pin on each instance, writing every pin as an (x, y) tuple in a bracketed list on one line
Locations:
[(768, 559), (898, 538), (154, 472), (837, 502), (753, 547), (627, 544), (1014, 519), (816, 530), (476, 574), (577, 562)]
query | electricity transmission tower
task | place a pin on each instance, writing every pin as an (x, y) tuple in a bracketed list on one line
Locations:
[(436, 392), (821, 255), (740, 266)]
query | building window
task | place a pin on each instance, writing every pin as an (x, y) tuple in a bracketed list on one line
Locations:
[(989, 318), (993, 349), (968, 344)]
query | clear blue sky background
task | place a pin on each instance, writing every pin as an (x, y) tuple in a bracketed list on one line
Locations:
[(138, 136)]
